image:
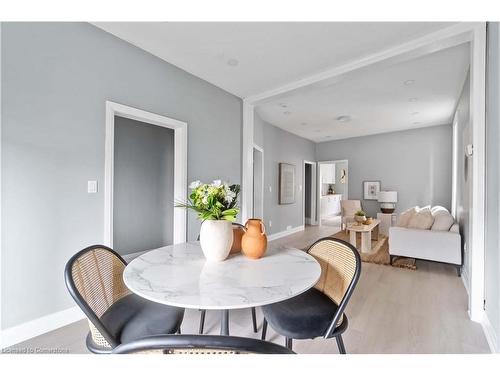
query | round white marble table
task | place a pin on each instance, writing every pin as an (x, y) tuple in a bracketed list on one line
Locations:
[(179, 275)]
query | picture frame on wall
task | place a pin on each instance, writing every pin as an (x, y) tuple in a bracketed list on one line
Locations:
[(286, 183), (371, 190)]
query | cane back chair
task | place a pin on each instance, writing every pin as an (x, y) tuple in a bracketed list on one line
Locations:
[(319, 312), (94, 278), (200, 344)]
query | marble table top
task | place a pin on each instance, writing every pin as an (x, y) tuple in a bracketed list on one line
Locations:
[(179, 275)]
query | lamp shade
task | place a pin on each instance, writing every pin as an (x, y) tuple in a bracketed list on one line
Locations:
[(387, 196)]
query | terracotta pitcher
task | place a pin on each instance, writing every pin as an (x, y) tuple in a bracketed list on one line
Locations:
[(254, 241), (238, 232)]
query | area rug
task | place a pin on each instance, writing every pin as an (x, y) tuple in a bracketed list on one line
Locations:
[(380, 252)]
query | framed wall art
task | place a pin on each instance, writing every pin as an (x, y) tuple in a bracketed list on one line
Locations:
[(370, 190), (286, 183)]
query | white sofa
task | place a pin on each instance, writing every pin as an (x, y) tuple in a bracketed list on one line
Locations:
[(435, 245)]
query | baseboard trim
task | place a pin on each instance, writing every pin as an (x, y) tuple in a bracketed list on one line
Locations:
[(37, 327), (489, 332), (285, 233)]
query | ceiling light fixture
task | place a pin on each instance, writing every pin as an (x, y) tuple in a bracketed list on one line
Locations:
[(343, 118), (409, 82), (412, 99), (283, 105), (232, 62)]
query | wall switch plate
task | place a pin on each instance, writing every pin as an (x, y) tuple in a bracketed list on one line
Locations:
[(270, 189), (270, 223), (92, 187)]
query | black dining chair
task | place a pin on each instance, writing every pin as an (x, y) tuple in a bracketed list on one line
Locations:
[(200, 344), (94, 278), (319, 312), (204, 312)]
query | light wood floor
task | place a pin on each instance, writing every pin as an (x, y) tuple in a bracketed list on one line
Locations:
[(392, 311)]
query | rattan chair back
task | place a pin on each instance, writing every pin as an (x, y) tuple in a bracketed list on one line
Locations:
[(94, 277), (340, 270), (200, 344)]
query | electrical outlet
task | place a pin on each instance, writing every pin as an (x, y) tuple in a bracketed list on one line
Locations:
[(92, 187), (288, 227)]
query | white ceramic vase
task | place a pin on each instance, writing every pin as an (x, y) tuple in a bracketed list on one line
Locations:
[(216, 238)]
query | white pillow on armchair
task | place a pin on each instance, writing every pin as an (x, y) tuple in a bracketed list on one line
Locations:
[(404, 217)]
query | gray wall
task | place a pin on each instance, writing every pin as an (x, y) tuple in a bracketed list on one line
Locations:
[(464, 171), (56, 78), (416, 163), (492, 255), (143, 197), (341, 188), (282, 146)]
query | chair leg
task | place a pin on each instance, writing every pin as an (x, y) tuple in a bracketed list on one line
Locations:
[(340, 344), (202, 321), (264, 329), (254, 320), (179, 330), (459, 271), (288, 342)]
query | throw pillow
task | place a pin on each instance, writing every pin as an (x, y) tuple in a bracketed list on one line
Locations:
[(443, 221), (423, 219), (436, 210), (404, 217)]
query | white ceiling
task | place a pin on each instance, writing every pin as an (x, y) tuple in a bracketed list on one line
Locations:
[(377, 100), (268, 55)]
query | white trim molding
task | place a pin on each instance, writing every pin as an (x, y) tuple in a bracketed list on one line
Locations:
[(489, 333), (180, 164), (37, 327), (285, 233)]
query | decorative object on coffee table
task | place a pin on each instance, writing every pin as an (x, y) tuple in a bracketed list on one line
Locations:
[(254, 241), (371, 190), (360, 216), (368, 221), (286, 183), (215, 204), (387, 200)]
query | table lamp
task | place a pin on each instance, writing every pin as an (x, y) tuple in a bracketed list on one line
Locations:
[(387, 200)]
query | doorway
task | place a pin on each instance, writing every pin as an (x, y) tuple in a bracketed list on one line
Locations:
[(258, 182), (177, 224), (309, 193), (332, 190), (143, 189)]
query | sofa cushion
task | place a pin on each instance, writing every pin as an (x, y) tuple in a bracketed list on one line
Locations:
[(442, 220), (423, 219), (404, 217)]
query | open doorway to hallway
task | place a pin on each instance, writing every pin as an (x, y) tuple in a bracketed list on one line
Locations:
[(143, 189), (332, 190), (258, 182)]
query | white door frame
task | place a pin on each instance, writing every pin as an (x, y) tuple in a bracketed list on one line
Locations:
[(471, 32), (180, 164), (314, 203), (261, 150)]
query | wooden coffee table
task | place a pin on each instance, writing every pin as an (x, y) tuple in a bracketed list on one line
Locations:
[(366, 234)]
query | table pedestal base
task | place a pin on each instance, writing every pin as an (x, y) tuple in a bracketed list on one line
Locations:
[(224, 323)]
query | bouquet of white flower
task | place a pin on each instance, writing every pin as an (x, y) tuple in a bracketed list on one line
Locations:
[(215, 201)]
